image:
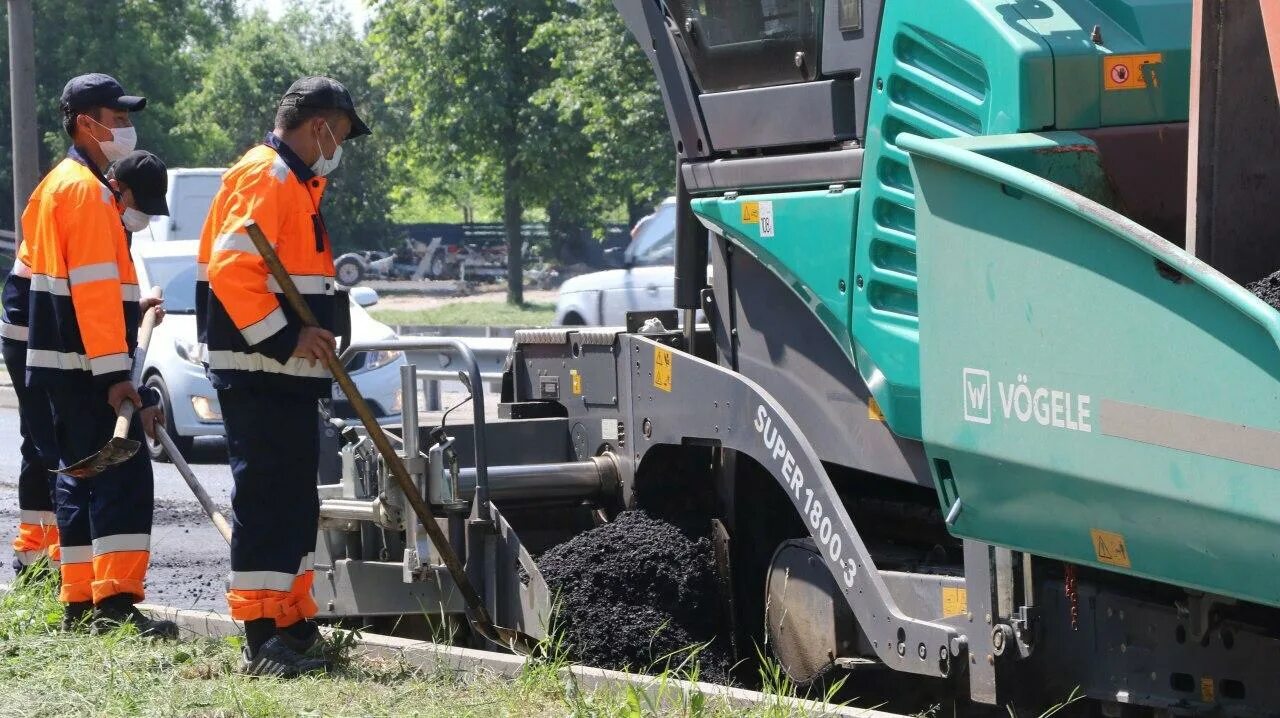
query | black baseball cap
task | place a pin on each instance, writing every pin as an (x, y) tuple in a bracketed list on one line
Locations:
[(98, 90), (147, 176), (325, 93)]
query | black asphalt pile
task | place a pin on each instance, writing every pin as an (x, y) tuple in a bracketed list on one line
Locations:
[(1267, 289), (635, 591)]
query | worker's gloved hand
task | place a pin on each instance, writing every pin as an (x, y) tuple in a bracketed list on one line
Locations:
[(121, 392), (148, 302), (152, 417), (314, 344)]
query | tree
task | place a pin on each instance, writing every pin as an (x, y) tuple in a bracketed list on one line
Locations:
[(467, 70), (242, 82), (150, 47), (605, 89)]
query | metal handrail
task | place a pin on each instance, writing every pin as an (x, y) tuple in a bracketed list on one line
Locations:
[(468, 358)]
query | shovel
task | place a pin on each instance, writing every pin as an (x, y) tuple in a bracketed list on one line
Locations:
[(514, 640), (210, 509), (120, 448)]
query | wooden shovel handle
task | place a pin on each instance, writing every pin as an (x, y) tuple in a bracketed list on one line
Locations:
[(125, 414)]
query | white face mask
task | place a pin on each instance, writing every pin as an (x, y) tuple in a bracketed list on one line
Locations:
[(135, 220), (324, 165), (122, 142)]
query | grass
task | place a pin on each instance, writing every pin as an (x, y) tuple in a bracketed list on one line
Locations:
[(46, 672), (493, 314)]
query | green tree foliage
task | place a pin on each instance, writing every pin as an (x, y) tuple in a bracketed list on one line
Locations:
[(468, 71), (150, 47), (527, 106), (605, 92), (242, 81)]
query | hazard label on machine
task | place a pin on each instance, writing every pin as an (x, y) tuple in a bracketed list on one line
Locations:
[(955, 602), (751, 213), (1110, 548), (662, 368), (1129, 72)]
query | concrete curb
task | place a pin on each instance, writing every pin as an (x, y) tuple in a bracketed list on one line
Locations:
[(433, 656)]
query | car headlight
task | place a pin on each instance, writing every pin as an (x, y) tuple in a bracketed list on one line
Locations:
[(203, 407), (373, 360), (190, 352)]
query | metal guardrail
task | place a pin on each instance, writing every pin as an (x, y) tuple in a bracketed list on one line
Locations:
[(8, 242)]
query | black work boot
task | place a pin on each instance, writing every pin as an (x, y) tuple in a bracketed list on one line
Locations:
[(115, 611), (274, 658), (304, 637), (75, 616)]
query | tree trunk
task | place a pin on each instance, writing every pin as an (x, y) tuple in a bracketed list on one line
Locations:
[(512, 218), (636, 210)]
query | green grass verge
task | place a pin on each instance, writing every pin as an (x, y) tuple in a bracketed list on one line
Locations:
[(47, 672), (491, 314)]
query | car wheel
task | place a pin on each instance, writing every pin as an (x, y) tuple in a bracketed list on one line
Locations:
[(349, 271), (572, 319), (184, 444), (438, 266)]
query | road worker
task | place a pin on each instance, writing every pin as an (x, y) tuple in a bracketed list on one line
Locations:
[(268, 369), (84, 308), (37, 538)]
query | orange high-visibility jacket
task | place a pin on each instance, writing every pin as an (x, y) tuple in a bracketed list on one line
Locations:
[(83, 302), (246, 325)]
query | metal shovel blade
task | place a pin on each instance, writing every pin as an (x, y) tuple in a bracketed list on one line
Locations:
[(116, 452), (515, 641)]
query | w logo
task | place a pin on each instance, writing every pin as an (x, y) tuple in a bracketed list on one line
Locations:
[(977, 396)]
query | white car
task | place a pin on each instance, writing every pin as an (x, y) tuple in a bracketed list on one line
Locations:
[(173, 362), (646, 282)]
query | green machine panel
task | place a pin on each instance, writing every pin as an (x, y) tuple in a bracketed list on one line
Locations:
[(806, 238), (985, 67), (1090, 391)]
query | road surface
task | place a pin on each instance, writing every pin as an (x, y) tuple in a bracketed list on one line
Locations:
[(189, 559)]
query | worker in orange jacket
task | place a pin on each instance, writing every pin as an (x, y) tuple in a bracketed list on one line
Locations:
[(84, 307), (269, 370), (35, 547)]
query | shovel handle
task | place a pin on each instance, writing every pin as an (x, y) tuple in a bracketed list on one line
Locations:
[(123, 418), (210, 509), (125, 414), (479, 614)]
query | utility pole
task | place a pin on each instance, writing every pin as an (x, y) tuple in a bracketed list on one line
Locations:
[(22, 99)]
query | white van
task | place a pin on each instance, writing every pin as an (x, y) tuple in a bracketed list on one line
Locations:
[(190, 195)]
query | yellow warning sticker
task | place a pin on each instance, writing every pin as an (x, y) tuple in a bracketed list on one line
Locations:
[(873, 410), (576, 379), (1110, 548), (662, 368), (1206, 689), (955, 602), (1130, 72), (751, 213)]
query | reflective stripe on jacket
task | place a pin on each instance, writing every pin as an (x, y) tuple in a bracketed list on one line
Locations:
[(15, 297), (82, 305), (246, 324)]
